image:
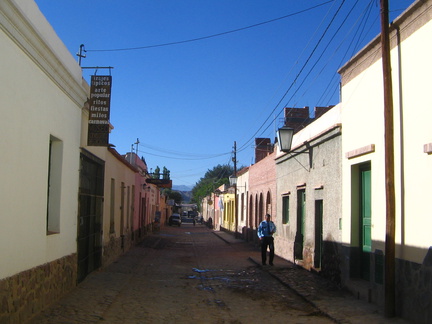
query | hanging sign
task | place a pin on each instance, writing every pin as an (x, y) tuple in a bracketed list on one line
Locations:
[(99, 110)]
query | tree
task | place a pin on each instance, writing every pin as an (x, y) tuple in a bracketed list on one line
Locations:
[(212, 179), (174, 195), (165, 173), (156, 174)]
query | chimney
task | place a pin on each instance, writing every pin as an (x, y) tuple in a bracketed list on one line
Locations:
[(319, 111), (297, 118), (263, 147)]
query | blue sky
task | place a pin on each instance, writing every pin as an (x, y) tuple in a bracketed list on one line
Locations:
[(188, 94)]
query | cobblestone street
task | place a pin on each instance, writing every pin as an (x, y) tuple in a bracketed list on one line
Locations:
[(183, 275), (191, 274)]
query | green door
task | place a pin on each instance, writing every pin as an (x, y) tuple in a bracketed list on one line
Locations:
[(366, 214)]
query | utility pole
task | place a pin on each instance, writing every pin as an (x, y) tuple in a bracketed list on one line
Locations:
[(80, 54), (136, 143), (235, 190), (389, 289)]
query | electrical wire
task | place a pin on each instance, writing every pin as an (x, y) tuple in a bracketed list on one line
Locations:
[(244, 146), (334, 88), (360, 31), (365, 15), (312, 53), (358, 38), (322, 53), (209, 36), (183, 154), (358, 22), (295, 79), (184, 158)]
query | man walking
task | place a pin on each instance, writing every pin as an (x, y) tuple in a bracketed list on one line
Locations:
[(265, 234)]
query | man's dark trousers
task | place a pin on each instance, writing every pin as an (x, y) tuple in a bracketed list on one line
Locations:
[(267, 241)]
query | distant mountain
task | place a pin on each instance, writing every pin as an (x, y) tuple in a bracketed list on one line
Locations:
[(186, 196), (185, 191), (181, 188)]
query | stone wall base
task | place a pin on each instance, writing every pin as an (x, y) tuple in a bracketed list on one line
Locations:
[(414, 289), (112, 250), (413, 286), (29, 292)]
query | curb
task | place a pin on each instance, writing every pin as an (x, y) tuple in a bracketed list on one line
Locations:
[(222, 238), (295, 291)]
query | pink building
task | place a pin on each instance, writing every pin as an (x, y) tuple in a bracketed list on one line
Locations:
[(262, 190), (147, 199)]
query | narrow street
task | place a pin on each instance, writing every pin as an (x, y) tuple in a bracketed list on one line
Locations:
[(183, 274)]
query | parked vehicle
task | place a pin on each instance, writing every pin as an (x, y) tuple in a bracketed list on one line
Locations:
[(192, 214), (175, 219)]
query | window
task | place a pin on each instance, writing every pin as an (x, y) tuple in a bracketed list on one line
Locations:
[(112, 205), (132, 208), (285, 209), (55, 160), (127, 207), (122, 203), (242, 208)]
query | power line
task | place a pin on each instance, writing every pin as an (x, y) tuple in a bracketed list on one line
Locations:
[(185, 158), (325, 49), (209, 36), (295, 79), (183, 154), (365, 15), (330, 84)]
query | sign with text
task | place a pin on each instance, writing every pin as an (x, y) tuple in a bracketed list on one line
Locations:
[(99, 110)]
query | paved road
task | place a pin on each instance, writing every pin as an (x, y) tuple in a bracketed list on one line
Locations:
[(183, 274)]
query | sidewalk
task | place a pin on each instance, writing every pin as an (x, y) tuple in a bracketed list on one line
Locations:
[(338, 304)]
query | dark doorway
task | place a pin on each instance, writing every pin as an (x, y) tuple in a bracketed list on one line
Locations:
[(301, 214), (90, 202), (318, 233)]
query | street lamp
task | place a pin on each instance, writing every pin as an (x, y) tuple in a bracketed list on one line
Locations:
[(285, 135), (233, 180)]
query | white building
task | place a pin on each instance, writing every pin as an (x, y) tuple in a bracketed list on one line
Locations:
[(41, 100), (364, 194), (308, 180)]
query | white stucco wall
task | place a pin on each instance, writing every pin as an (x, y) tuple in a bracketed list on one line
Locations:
[(363, 124), (41, 95), (321, 181)]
